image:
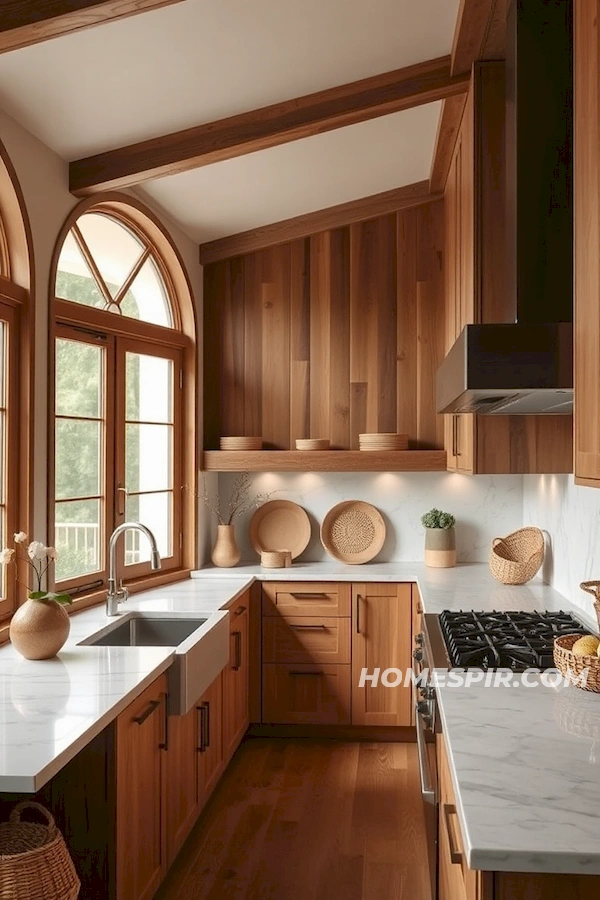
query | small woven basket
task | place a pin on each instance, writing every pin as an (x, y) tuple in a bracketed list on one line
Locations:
[(34, 861), (516, 558), (276, 559), (573, 666)]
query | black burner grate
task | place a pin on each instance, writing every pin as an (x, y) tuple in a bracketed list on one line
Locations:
[(507, 640)]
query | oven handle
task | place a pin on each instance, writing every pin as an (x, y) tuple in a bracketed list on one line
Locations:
[(427, 789)]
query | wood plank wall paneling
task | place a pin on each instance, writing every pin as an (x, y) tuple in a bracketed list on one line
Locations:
[(329, 336)]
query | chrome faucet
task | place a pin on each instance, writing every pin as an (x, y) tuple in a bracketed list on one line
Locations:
[(115, 596)]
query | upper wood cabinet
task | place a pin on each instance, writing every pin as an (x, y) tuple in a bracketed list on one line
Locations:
[(587, 242), (477, 290)]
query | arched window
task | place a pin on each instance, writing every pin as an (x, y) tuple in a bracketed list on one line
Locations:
[(123, 378), (15, 373)]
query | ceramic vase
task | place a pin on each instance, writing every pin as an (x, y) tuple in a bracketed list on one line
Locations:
[(440, 547), (39, 628), (226, 552)]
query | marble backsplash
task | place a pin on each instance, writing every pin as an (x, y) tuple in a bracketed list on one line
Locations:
[(485, 507), (570, 516)]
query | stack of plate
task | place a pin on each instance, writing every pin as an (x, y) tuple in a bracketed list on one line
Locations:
[(383, 441), (312, 444), (241, 443)]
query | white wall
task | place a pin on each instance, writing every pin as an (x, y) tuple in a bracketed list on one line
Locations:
[(570, 515), (43, 177), (485, 507)]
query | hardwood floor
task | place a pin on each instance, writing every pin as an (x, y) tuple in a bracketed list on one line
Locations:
[(309, 820)]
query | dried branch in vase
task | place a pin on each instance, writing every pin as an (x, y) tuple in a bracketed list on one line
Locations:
[(241, 501)]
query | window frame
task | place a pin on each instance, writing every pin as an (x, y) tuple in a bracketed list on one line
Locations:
[(10, 313), (178, 340)]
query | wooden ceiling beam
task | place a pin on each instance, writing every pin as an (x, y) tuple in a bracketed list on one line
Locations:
[(479, 33), (26, 22), (448, 125), (270, 126), (311, 223)]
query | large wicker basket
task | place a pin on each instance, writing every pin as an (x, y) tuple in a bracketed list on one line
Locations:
[(516, 558), (573, 666), (34, 860)]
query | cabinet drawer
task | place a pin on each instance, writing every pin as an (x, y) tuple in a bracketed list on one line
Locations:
[(303, 599), (306, 695), (305, 639)]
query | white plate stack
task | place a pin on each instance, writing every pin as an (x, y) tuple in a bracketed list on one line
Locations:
[(383, 442), (241, 443)]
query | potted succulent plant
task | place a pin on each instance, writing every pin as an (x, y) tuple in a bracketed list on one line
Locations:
[(440, 539)]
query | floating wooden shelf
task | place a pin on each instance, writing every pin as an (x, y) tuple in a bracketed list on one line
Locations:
[(324, 461)]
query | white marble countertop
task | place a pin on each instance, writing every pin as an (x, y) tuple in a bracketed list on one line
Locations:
[(523, 760), (50, 709)]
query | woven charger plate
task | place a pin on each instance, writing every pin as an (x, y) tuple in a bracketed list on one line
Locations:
[(353, 532), (280, 525)]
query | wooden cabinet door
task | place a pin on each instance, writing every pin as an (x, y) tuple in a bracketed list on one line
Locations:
[(181, 781), (211, 762), (235, 679), (587, 243), (381, 639), (297, 694), (141, 737)]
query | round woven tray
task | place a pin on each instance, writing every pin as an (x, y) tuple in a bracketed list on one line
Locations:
[(572, 665), (34, 860), (516, 558), (353, 532)]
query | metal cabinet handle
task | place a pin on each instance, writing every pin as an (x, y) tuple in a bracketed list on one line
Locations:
[(307, 595), (456, 856), (458, 453), (308, 627), (454, 421), (237, 640), (152, 706), (427, 789), (358, 599), (302, 674), (203, 727), (165, 743)]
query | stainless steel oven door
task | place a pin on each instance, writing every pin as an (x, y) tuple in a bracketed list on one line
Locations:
[(427, 769), (424, 698)]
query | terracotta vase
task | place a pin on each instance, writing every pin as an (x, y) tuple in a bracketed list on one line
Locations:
[(226, 552), (440, 547), (39, 628)]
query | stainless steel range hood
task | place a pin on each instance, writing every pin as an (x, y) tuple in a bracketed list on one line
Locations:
[(527, 367), (509, 370)]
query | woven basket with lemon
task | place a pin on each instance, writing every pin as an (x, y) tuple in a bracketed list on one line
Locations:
[(576, 655)]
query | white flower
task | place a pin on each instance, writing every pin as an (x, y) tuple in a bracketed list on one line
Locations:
[(20, 537), (6, 556), (36, 550), (51, 552)]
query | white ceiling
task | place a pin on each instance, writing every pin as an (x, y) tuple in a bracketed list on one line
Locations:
[(202, 60), (302, 176)]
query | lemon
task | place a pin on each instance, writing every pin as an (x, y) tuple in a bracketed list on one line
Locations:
[(588, 645)]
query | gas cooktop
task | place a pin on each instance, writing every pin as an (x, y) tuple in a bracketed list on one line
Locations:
[(507, 640)]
